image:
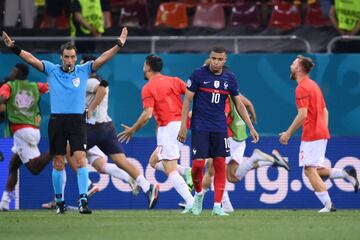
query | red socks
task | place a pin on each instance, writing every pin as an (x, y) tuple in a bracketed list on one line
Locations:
[(197, 173), (219, 178)]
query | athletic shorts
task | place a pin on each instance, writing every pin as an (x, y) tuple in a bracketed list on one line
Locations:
[(94, 153), (26, 142), (64, 128), (237, 150), (168, 147), (312, 153), (104, 136), (209, 144)]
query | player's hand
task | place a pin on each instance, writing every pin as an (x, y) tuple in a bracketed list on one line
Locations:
[(123, 36), (126, 134), (89, 113), (253, 119), (255, 136), (7, 40), (284, 137), (182, 135)]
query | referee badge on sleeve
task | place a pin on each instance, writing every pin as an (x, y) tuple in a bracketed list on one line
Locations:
[(76, 82), (188, 83)]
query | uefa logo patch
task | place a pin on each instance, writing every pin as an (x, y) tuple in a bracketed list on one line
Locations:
[(216, 84), (188, 83), (76, 82)]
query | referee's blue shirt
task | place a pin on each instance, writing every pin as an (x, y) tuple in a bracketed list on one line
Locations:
[(67, 90)]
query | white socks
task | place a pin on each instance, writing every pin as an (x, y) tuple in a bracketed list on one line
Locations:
[(143, 183), (181, 187), (181, 169), (262, 163), (114, 171), (339, 173), (243, 169), (324, 198), (8, 196)]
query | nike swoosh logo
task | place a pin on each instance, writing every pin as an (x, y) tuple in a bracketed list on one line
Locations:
[(206, 82)]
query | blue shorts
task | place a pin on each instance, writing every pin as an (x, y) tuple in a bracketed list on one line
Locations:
[(104, 136), (209, 145)]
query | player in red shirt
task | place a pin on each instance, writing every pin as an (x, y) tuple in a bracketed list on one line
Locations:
[(21, 99), (161, 97), (313, 116)]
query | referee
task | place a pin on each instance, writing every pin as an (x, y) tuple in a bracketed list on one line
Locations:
[(67, 87)]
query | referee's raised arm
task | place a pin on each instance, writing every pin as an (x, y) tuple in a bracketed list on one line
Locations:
[(107, 55), (25, 55)]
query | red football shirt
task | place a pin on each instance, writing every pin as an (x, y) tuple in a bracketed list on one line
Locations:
[(163, 93), (308, 95)]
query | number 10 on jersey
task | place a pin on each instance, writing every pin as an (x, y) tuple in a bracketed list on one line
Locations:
[(215, 97)]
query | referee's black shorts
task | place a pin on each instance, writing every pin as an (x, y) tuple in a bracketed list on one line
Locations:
[(66, 127)]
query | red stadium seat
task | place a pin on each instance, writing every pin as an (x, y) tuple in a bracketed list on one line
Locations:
[(135, 15), (285, 16), (172, 15), (62, 22), (315, 16), (209, 15), (246, 15)]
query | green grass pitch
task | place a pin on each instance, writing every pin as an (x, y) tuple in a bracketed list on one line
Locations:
[(171, 225)]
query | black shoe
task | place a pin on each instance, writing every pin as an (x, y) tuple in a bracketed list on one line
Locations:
[(83, 207), (153, 195), (279, 160), (352, 173), (60, 207)]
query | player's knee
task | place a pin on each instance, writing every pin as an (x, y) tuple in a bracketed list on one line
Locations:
[(153, 163), (230, 175), (33, 170), (59, 163), (232, 179)]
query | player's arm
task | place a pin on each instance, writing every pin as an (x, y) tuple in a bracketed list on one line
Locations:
[(240, 108), (189, 95), (24, 55), (326, 117), (5, 91), (249, 107), (298, 121), (107, 55), (100, 92), (81, 20), (142, 121)]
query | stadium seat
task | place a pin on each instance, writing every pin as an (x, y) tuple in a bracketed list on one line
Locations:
[(315, 16), (209, 15), (172, 15), (285, 16), (245, 15), (62, 22), (135, 15)]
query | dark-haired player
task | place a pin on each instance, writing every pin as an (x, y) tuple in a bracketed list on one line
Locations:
[(209, 87)]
